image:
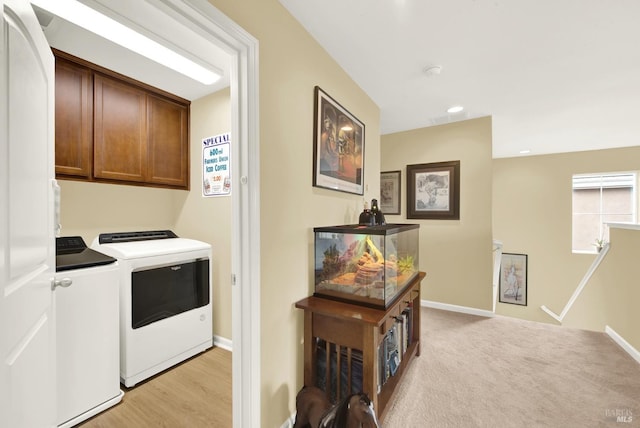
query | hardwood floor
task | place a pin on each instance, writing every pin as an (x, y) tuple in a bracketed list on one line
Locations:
[(194, 394)]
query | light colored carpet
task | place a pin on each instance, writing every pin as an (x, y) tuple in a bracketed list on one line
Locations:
[(504, 372)]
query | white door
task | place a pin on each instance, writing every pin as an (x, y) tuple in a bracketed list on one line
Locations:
[(27, 241)]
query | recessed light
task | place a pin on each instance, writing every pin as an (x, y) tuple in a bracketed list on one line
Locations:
[(455, 109), (432, 70), (525, 152)]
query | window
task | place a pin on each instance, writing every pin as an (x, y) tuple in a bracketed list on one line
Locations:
[(599, 199)]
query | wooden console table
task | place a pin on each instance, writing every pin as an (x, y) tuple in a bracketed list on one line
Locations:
[(357, 327)]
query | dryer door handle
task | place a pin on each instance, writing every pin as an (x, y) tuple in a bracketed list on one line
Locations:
[(64, 282)]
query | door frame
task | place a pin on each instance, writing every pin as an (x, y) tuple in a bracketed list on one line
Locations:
[(245, 258)]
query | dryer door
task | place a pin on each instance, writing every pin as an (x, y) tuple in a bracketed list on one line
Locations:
[(162, 292)]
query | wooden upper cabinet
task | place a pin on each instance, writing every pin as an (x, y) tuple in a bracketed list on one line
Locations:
[(167, 127), (110, 128), (120, 131), (74, 119)]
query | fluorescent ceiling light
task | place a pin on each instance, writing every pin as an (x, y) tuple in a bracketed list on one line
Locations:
[(92, 20), (455, 109)]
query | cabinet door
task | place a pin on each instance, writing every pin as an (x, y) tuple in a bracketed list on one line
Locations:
[(168, 139), (120, 132), (74, 121)]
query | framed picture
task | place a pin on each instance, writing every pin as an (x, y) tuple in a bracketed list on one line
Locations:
[(390, 192), (513, 279), (433, 191), (338, 155)]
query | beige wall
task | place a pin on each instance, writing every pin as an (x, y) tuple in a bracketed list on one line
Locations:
[(532, 215), (612, 295), (455, 254), (291, 64), (209, 219), (88, 209)]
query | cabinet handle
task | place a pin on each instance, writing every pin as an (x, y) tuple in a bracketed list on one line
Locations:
[(64, 282)]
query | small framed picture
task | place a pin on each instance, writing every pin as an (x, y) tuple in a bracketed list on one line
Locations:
[(433, 191), (390, 192), (513, 279)]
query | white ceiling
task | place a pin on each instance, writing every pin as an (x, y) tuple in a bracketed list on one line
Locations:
[(150, 20), (555, 75)]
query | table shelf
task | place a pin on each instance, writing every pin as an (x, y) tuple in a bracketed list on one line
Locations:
[(351, 327)]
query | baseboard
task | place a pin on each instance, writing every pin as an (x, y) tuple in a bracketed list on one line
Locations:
[(623, 343), (456, 308), (223, 342), (92, 412), (289, 422)]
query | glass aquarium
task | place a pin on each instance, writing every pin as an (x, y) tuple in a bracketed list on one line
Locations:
[(367, 265)]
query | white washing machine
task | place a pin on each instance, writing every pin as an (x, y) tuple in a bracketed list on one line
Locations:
[(165, 299), (86, 311)]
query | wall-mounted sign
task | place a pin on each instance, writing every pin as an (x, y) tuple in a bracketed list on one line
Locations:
[(216, 165)]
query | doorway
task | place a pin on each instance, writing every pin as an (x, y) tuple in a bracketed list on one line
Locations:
[(222, 33), (243, 48)]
